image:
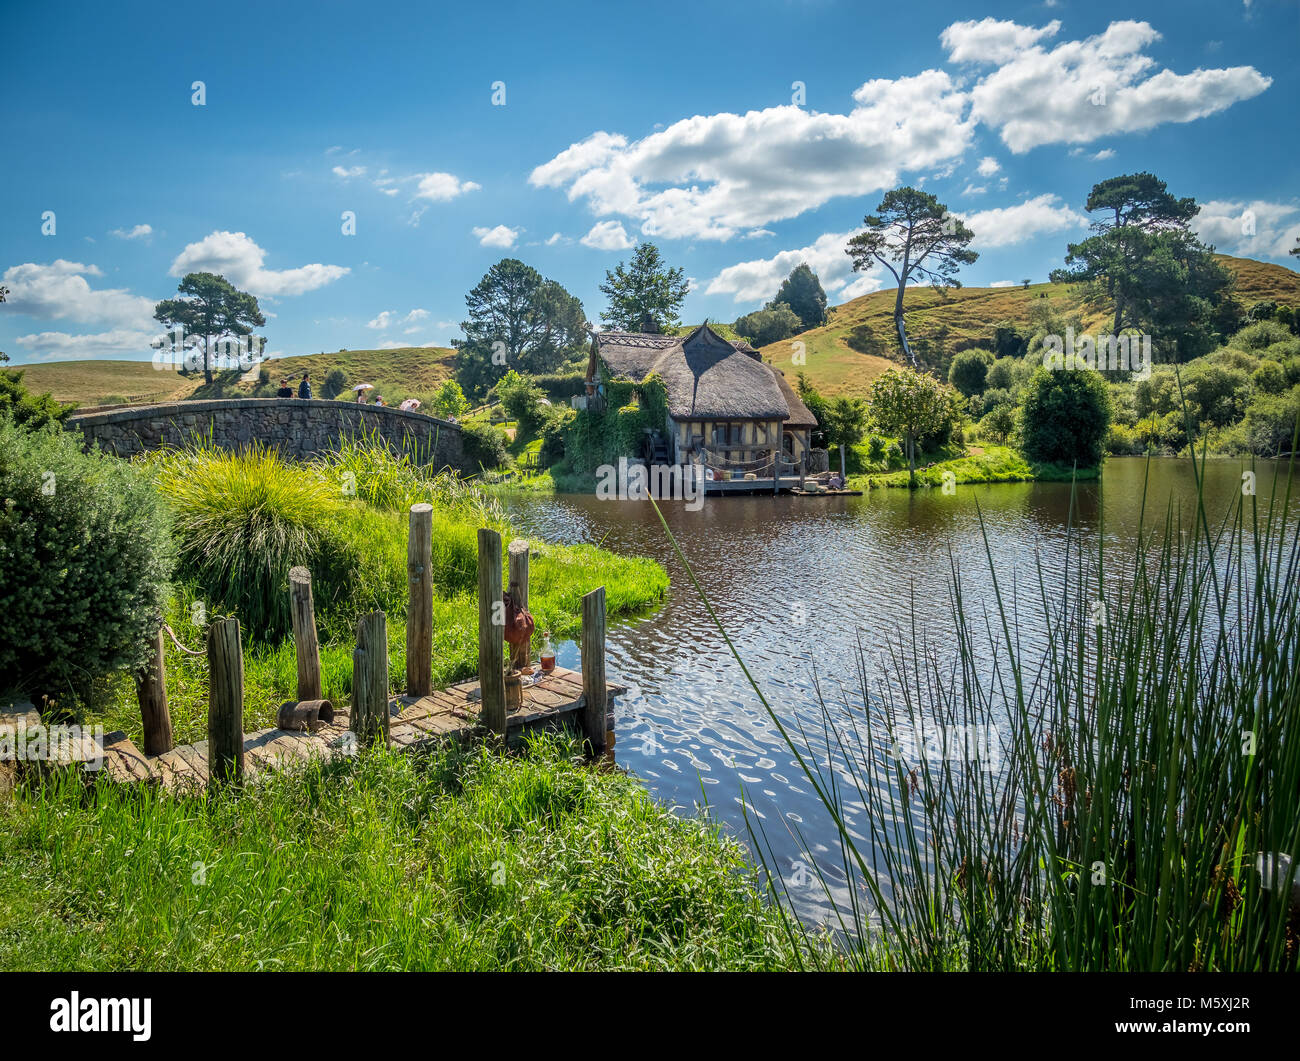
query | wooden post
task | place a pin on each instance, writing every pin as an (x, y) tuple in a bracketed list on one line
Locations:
[(593, 668), (518, 554), (305, 643), (419, 605), (151, 688), (225, 703), (491, 633), (370, 680)]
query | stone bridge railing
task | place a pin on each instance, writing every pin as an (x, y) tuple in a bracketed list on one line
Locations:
[(296, 427)]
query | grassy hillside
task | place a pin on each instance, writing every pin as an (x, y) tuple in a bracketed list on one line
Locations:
[(858, 343), (408, 372)]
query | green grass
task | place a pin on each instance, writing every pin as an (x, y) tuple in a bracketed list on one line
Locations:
[(996, 464), (461, 860), (244, 518)]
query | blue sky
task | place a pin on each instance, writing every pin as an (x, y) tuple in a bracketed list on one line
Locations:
[(681, 123)]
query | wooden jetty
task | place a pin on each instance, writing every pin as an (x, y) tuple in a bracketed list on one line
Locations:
[(471, 710)]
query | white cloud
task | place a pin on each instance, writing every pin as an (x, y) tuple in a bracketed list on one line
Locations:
[(1228, 226), (713, 176), (988, 166), (1003, 283), (991, 41), (239, 259), (1103, 154), (501, 236), (758, 280), (1081, 90), (608, 236), (554, 238), (442, 187), (348, 172), (61, 346), (389, 319), (1006, 225), (971, 189), (137, 232)]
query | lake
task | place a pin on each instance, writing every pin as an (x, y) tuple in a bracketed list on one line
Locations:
[(798, 583)]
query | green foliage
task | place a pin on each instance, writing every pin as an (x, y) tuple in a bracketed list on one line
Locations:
[(211, 308), (1216, 393), (553, 433), (449, 401), (1146, 265), (1065, 417), (846, 423), (811, 397), (561, 386), (646, 295), (593, 439), (482, 445), (336, 382), (999, 422), (521, 398), (22, 407), (84, 562), (1269, 426), (243, 520), (1260, 335), (969, 371), (769, 325), (914, 406), (802, 291), (518, 320), (463, 859)]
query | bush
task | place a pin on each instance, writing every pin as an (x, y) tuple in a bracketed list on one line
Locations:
[(1270, 423), (449, 401), (1269, 378), (553, 432), (336, 382), (769, 325), (85, 557), (1065, 417), (243, 520), (23, 407), (969, 371), (521, 398), (999, 422), (482, 445), (1260, 335), (561, 386)]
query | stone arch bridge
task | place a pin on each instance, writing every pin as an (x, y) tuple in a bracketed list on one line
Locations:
[(296, 427)]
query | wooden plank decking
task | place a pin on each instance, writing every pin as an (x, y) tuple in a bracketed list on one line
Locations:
[(414, 722)]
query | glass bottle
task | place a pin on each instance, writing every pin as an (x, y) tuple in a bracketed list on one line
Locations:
[(548, 654)]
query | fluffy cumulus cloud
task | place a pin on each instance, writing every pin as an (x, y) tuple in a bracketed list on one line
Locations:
[(1250, 228), (1005, 225), (608, 236), (62, 290), (441, 187), (240, 260), (758, 280), (501, 236), (1080, 90), (716, 176), (720, 175)]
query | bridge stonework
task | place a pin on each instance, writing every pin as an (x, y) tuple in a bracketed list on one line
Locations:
[(296, 427)]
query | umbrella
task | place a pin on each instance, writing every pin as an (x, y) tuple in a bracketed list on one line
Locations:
[(410, 404), (364, 387)]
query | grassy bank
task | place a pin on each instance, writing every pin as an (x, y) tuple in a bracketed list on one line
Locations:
[(458, 860), (242, 520)]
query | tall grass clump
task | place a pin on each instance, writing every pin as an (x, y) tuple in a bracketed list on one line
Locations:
[(243, 519), (1127, 798)]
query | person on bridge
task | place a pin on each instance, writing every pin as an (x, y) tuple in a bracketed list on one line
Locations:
[(285, 390), (304, 388)]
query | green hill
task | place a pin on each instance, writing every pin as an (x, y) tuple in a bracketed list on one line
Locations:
[(858, 343), (408, 372)]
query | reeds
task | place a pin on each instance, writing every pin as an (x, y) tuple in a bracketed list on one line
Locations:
[(1137, 806)]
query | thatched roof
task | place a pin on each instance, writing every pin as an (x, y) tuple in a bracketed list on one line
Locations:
[(800, 414), (706, 376)]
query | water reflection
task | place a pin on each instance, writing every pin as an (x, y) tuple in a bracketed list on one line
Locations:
[(798, 583)]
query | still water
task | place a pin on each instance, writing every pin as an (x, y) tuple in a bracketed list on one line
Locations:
[(798, 584)]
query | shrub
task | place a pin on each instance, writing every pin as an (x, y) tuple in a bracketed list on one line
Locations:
[(1270, 423), (969, 371), (1065, 417), (999, 422), (1260, 335), (449, 401), (85, 557), (336, 381), (521, 398), (482, 445), (553, 432), (769, 325), (1269, 378), (243, 520), (23, 407)]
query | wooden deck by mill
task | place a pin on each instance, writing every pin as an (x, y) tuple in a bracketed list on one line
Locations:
[(414, 722)]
